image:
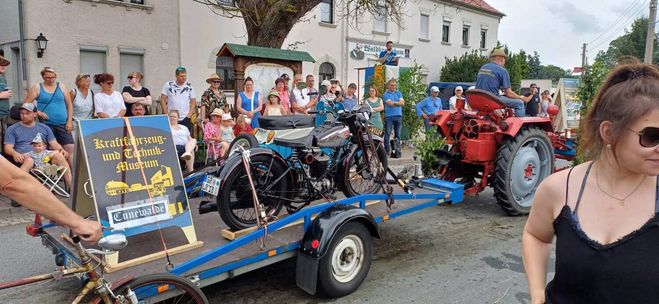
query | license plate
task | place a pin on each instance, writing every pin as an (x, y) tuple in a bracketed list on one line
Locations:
[(375, 131), (211, 185)]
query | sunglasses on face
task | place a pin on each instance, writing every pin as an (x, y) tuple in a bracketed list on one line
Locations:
[(216, 81), (648, 137), (110, 83), (130, 77)]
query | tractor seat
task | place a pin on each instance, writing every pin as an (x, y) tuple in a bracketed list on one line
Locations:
[(285, 122), (292, 143), (481, 100)]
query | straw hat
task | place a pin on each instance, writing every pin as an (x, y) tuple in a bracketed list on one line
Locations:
[(213, 76), (498, 52), (217, 112), (3, 61)]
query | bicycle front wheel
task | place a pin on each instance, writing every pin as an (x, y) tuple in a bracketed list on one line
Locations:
[(160, 288)]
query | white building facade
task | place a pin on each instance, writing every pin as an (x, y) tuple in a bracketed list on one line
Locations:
[(91, 37), (431, 31)]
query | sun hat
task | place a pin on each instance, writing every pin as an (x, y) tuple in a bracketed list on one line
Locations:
[(4, 61), (38, 139), (226, 116), (213, 76), (273, 93), (434, 89), (498, 52), (217, 112)]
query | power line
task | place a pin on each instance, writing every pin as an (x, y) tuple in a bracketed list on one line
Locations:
[(629, 9), (622, 26)]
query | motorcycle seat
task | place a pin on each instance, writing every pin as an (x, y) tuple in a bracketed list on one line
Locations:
[(286, 122), (292, 143)]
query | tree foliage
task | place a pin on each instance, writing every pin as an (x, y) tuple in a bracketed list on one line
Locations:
[(410, 84), (268, 22), (463, 69)]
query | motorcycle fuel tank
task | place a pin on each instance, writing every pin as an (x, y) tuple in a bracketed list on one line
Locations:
[(331, 136)]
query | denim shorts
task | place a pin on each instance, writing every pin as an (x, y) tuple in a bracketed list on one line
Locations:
[(62, 136)]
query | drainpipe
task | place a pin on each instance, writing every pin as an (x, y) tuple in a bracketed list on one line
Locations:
[(344, 48), (21, 34)]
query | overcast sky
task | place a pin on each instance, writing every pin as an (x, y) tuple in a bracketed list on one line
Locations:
[(556, 29)]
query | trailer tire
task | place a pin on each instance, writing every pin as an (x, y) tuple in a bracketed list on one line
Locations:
[(522, 163), (346, 262)]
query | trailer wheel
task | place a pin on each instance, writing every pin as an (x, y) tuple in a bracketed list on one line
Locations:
[(346, 262), (522, 163)]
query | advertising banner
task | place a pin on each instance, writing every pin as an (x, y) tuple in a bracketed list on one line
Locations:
[(136, 182)]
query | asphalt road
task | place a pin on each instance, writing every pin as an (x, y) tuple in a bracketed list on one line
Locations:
[(466, 253)]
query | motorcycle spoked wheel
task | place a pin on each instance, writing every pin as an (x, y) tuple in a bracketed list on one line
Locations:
[(236, 203), (358, 178)]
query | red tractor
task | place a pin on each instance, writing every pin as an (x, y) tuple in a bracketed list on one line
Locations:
[(492, 147)]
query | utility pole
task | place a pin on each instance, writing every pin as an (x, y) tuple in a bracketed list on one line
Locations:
[(649, 39), (583, 56)]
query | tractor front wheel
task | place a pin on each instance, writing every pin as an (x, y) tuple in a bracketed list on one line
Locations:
[(522, 163)]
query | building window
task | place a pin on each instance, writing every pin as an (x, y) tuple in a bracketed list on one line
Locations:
[(327, 11), (226, 2), (326, 72), (92, 62), (483, 38), (465, 35), (425, 27), (380, 19), (129, 63), (224, 69), (446, 30)]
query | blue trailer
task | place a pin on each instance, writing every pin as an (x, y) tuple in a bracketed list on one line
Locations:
[(331, 240)]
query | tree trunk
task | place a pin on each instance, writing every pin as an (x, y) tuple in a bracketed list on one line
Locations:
[(269, 22)]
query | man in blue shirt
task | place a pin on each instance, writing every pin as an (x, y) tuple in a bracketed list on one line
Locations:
[(492, 77), (429, 106), (389, 57), (393, 113)]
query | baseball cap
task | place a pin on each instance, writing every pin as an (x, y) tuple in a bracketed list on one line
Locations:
[(29, 106), (226, 116), (434, 89), (458, 88)]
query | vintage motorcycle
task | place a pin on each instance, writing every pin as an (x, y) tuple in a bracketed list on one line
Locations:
[(338, 155)]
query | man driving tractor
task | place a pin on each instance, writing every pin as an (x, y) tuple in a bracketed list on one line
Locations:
[(493, 77)]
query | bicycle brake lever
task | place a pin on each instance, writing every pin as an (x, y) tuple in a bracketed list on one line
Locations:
[(100, 252)]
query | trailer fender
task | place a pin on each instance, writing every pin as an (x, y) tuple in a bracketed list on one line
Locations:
[(319, 236)]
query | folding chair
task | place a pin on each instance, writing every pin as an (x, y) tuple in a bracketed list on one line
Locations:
[(51, 181)]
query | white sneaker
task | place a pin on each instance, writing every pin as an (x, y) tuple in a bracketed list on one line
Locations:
[(186, 156)]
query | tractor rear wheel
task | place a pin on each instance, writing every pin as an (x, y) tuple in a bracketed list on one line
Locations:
[(522, 163)]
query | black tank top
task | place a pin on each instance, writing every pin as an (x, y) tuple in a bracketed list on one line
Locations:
[(625, 271)]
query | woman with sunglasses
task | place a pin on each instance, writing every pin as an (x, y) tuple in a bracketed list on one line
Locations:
[(55, 107), (108, 103), (213, 98), (604, 213), (134, 93)]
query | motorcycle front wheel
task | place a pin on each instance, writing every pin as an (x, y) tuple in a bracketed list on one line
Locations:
[(235, 201), (360, 174)]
